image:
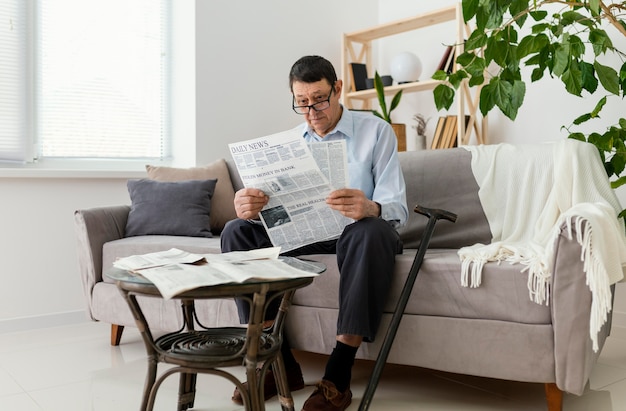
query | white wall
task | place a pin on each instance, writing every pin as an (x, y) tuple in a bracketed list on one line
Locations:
[(243, 52)]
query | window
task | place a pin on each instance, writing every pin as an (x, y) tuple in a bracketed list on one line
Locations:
[(98, 83)]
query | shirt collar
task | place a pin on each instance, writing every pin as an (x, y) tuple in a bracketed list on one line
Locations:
[(344, 126)]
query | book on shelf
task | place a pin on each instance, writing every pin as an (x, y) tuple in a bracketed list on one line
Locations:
[(443, 63), (446, 132), (438, 133), (449, 133)]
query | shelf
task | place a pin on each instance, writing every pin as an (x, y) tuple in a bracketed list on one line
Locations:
[(391, 90), (404, 25), (467, 104)]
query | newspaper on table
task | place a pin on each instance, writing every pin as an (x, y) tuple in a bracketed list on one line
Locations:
[(175, 271), (297, 177)]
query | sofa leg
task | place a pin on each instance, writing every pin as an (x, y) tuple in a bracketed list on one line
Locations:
[(554, 397), (116, 334)]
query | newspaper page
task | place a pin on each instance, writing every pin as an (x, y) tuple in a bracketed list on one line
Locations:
[(186, 271), (297, 177)]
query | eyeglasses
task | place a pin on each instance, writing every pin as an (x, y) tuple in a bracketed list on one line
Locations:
[(319, 106)]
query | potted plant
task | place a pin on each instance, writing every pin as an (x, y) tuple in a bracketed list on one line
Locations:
[(565, 43), (385, 113)]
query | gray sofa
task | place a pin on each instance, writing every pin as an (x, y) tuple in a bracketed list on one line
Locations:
[(494, 330)]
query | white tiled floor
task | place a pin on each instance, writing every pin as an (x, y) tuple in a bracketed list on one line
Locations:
[(73, 368)]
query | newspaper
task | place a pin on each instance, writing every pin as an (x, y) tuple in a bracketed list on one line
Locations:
[(175, 271), (297, 177)]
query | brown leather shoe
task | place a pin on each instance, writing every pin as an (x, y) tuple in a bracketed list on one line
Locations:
[(294, 379), (326, 397)]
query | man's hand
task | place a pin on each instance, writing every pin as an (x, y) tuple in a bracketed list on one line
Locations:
[(249, 202), (353, 204)]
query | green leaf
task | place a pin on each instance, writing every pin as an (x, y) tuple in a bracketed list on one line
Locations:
[(581, 119), (608, 77), (469, 9), (517, 97), (440, 75), (571, 17), (380, 92), (561, 59), (497, 51), (573, 79), (537, 74), (602, 141), (539, 28), (622, 79), (600, 40), (486, 102), (538, 15), (590, 82), (598, 107), (577, 47), (594, 6), (577, 136), (616, 184), (532, 44), (476, 67), (476, 80), (465, 58), (395, 101), (516, 8), (501, 92), (618, 161), (444, 96), (476, 40), (456, 78)]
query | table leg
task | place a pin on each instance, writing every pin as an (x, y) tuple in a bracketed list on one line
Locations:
[(149, 384), (280, 374), (186, 391)]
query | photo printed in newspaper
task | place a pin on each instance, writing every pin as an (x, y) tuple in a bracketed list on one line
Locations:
[(297, 177)]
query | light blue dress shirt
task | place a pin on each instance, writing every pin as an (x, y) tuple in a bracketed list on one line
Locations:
[(373, 165)]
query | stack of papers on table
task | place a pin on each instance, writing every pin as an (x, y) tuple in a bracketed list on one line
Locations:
[(175, 271)]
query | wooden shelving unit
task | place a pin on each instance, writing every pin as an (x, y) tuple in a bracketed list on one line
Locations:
[(467, 104)]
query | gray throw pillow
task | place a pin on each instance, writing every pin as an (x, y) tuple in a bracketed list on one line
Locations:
[(170, 208)]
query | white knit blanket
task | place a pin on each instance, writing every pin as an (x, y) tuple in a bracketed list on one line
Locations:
[(528, 192)]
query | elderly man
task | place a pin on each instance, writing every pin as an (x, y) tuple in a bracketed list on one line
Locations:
[(365, 250)]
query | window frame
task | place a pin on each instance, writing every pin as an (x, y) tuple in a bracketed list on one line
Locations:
[(42, 166)]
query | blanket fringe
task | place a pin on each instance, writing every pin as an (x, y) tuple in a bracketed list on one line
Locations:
[(596, 277)]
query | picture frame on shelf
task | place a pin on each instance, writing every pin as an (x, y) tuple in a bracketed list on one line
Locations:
[(359, 76)]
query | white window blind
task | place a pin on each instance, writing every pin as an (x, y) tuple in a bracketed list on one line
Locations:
[(15, 79), (99, 82)]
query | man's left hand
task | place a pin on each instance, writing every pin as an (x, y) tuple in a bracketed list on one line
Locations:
[(352, 204)]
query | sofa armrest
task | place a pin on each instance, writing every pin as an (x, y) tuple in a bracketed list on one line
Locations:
[(571, 312), (94, 227)]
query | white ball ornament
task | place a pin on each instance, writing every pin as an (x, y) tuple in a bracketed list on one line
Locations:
[(405, 67)]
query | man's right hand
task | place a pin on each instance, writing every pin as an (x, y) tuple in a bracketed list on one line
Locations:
[(249, 202)]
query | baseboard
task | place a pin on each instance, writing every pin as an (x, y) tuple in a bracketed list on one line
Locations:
[(42, 321)]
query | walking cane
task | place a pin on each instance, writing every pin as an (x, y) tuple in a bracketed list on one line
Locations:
[(433, 215)]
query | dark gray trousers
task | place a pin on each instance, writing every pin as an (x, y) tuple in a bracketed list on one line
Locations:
[(366, 253)]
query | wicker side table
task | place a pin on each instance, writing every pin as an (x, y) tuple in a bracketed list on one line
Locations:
[(197, 349)]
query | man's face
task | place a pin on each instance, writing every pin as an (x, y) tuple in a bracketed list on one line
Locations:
[(306, 94)]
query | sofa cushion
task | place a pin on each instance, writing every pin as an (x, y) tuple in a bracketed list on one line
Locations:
[(169, 208), (443, 179), (437, 292), (222, 208)]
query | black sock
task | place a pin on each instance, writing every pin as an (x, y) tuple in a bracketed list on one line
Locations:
[(288, 358), (339, 366)]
